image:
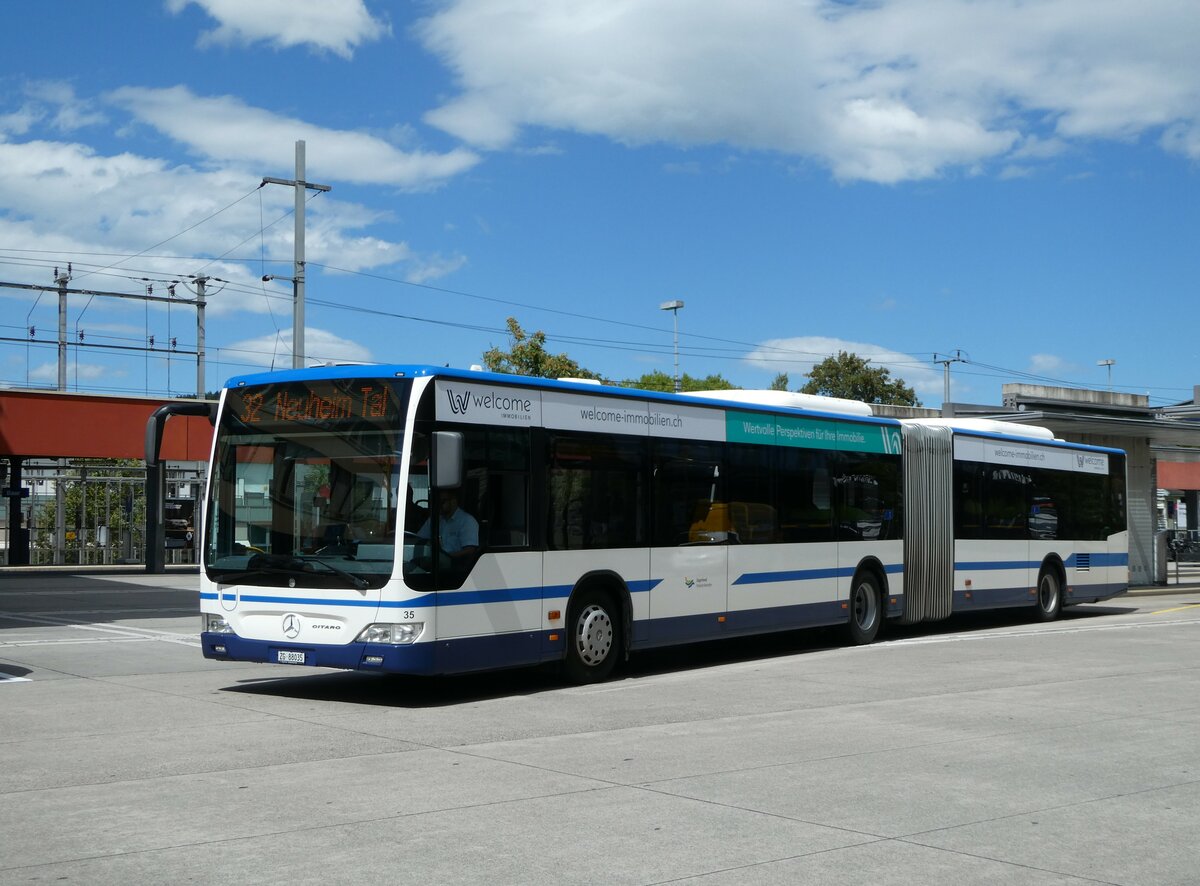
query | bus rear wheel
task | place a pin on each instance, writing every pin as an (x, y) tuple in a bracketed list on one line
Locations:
[(866, 611), (594, 639), (1049, 596)]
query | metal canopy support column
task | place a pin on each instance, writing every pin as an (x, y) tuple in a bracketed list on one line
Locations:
[(18, 534), (156, 479)]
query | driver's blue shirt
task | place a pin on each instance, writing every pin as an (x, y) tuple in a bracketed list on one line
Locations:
[(459, 530)]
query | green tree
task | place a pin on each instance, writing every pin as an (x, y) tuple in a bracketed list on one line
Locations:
[(780, 382), (527, 355), (93, 500), (665, 381), (852, 377)]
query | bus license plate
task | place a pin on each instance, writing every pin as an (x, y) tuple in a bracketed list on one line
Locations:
[(289, 656)]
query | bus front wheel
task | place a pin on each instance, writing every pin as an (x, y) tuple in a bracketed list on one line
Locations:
[(866, 610), (594, 642)]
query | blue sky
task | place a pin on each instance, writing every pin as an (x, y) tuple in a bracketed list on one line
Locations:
[(901, 178)]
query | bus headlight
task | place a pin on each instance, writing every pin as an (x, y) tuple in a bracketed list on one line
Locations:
[(394, 634), (216, 624)]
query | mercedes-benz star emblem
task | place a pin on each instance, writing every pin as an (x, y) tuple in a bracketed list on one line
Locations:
[(291, 626)]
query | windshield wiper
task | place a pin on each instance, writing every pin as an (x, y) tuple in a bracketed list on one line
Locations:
[(358, 582), (275, 564)]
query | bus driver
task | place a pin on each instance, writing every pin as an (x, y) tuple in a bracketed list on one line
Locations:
[(458, 531)]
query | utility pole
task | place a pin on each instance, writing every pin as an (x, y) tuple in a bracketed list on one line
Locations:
[(298, 269), (61, 280), (946, 361), (200, 284), (60, 500)]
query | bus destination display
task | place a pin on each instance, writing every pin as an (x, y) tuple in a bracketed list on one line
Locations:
[(323, 404)]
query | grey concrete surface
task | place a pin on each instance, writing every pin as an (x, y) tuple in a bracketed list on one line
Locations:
[(985, 749)]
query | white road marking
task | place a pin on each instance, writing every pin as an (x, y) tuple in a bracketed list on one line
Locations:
[(123, 632)]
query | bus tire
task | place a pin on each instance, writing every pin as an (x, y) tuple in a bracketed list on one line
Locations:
[(594, 636), (866, 609), (1049, 594)]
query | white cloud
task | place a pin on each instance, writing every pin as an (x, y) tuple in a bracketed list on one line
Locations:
[(77, 201), (70, 198), (886, 91), (236, 132), (47, 373), (336, 26), (1047, 364), (66, 199), (275, 350), (52, 103), (67, 111), (797, 356)]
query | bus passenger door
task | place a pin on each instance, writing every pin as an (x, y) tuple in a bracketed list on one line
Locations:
[(691, 531)]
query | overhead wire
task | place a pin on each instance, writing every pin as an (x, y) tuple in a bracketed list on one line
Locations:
[(775, 353), (786, 353), (190, 227)]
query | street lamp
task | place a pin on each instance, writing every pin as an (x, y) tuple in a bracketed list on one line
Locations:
[(673, 307), (1109, 363)]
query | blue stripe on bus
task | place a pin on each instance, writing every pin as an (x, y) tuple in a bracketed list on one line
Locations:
[(1100, 559), (441, 598), (757, 578), (301, 601), (501, 595), (643, 587), (426, 600), (1095, 560), (993, 565)]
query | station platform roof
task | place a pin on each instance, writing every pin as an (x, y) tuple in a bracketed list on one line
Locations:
[(56, 424)]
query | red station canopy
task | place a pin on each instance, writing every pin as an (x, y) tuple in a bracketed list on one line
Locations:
[(53, 424)]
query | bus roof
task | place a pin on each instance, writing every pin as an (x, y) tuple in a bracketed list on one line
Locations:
[(989, 426), (994, 428), (769, 401)]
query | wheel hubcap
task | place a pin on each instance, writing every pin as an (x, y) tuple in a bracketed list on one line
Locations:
[(593, 635), (1049, 596)]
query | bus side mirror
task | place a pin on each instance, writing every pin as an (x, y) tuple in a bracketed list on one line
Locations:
[(447, 459)]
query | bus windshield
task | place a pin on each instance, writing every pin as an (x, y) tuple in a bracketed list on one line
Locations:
[(304, 484)]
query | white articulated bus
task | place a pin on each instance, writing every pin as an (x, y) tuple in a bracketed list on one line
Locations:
[(420, 520)]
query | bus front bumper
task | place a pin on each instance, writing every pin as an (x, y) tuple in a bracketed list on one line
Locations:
[(419, 658), (454, 656)]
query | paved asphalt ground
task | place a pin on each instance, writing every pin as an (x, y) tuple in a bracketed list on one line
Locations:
[(981, 750)]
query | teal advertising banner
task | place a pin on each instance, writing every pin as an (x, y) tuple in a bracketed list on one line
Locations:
[(811, 433)]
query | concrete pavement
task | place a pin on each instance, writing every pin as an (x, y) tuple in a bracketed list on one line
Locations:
[(985, 749)]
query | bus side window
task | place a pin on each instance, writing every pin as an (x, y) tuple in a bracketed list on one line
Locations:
[(496, 485), (805, 497), (1006, 511), (866, 497), (689, 505), (595, 492), (968, 500), (753, 516)]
